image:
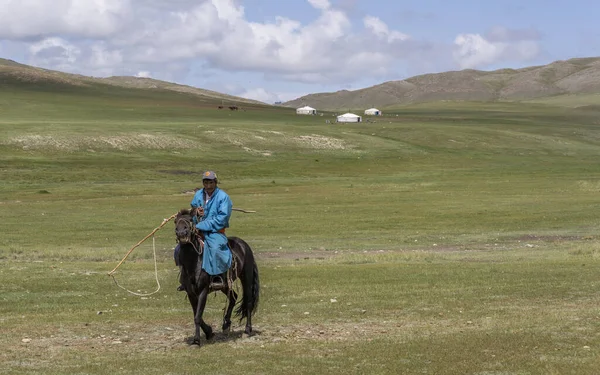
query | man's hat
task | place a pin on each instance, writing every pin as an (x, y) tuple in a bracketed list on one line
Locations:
[(209, 175)]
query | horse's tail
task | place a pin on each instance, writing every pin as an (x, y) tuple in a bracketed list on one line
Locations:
[(250, 285)]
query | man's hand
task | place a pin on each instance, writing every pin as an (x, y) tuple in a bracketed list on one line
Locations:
[(199, 212)]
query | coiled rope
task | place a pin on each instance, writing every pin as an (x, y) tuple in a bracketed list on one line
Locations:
[(112, 273), (165, 221)]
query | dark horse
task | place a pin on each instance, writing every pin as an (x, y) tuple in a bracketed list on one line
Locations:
[(196, 281)]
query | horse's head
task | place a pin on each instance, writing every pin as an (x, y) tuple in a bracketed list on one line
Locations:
[(184, 226)]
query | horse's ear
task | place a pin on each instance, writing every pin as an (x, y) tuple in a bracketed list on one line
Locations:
[(184, 211)]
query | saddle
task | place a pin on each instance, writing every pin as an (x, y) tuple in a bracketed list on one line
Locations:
[(216, 281)]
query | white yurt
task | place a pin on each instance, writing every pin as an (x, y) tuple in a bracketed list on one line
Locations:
[(373, 112), (349, 117), (306, 110)]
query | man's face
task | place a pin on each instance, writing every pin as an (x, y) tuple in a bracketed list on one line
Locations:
[(209, 185)]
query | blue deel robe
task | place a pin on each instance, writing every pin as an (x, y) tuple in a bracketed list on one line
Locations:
[(217, 255)]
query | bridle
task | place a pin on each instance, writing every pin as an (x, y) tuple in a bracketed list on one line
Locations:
[(191, 229), (192, 232)]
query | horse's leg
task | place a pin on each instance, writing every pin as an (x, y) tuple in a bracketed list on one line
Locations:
[(192, 296), (200, 324), (248, 329), (193, 301), (232, 299)]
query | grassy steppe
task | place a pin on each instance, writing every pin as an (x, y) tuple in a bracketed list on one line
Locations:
[(446, 239)]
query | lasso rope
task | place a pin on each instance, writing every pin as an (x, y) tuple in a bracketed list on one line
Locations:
[(111, 273), (155, 275), (165, 221)]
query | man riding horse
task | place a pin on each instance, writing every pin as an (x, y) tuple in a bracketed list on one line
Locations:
[(212, 209)]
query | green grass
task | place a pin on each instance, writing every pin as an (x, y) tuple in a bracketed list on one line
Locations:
[(452, 237), (570, 100), (438, 312)]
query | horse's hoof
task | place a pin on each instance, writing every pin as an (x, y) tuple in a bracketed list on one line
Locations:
[(226, 327), (209, 335), (195, 341), (248, 331)]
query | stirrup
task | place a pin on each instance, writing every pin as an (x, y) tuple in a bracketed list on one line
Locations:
[(216, 282)]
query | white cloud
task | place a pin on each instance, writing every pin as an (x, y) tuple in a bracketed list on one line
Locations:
[(55, 52), (102, 56), (379, 28), (260, 94), (473, 50), (26, 19), (267, 96), (113, 34), (97, 59), (228, 10), (320, 4), (168, 38), (476, 51), (143, 74)]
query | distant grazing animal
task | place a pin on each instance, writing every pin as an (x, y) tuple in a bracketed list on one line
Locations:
[(196, 281), (220, 107), (233, 107)]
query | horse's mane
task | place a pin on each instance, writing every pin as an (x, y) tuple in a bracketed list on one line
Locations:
[(184, 212)]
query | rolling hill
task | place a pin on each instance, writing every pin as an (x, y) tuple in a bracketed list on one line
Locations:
[(25, 77), (574, 82), (578, 76)]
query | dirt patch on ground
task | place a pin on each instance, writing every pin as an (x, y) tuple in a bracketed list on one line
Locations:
[(261, 142), (320, 254), (314, 254), (124, 142), (528, 240), (142, 338), (321, 142), (554, 238)]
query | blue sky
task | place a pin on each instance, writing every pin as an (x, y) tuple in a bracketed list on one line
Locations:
[(275, 50)]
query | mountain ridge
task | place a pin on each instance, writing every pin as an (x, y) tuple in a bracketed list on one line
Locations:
[(13, 71), (561, 77)]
